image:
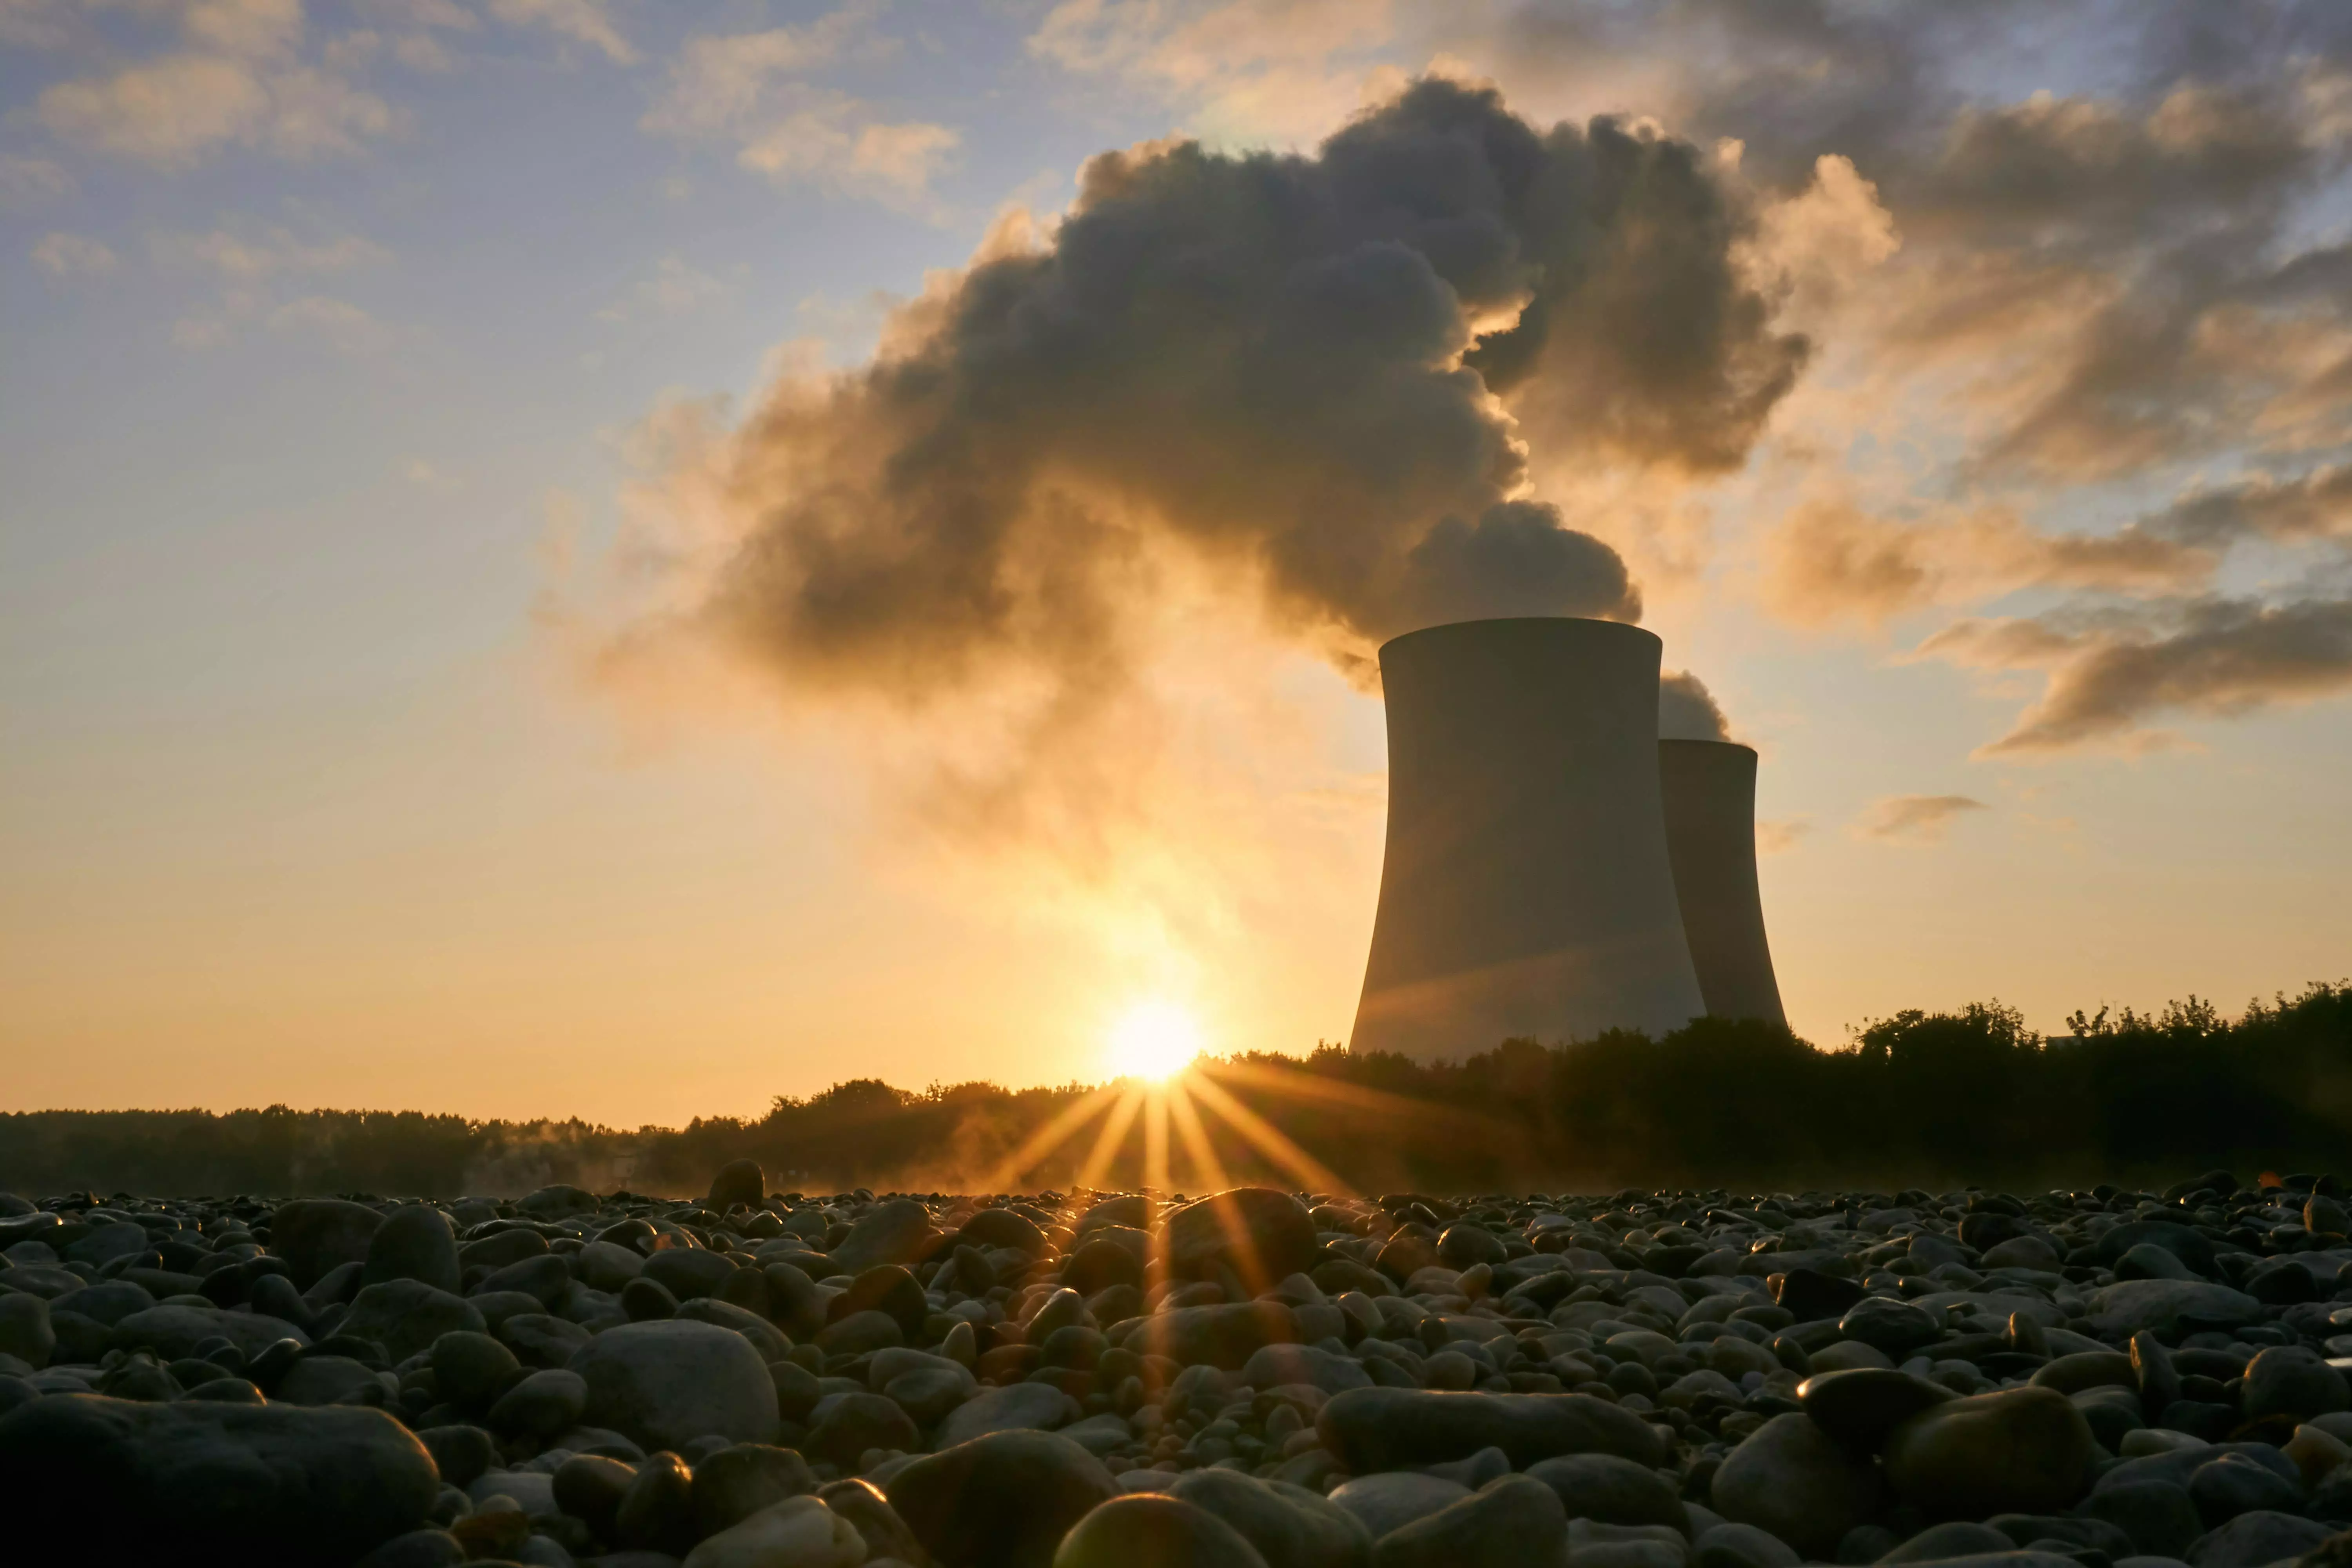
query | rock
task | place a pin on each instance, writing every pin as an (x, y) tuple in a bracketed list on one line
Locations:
[(543, 1404), (2123, 1309), (1592, 1544), (993, 1228), (459, 1453), (1259, 1235), (558, 1200), (2016, 1450), (1610, 1489), (1098, 1264), (1394, 1499), (589, 1488), (545, 1278), (738, 1182), (2233, 1484), (1862, 1404), (1276, 1364), (176, 1332), (329, 1380), (2182, 1241), (432, 1548), (2159, 1517), (735, 1483), (1019, 1406), (1290, 1526), (542, 1340), (204, 1482), (1850, 1355), (853, 1423), (1958, 1538), (861, 1502), (605, 1266), (1221, 1336), (472, 1369), (657, 1511), (1006, 1499), (1897, 1328), (771, 1345), (2089, 1369), (898, 1231), (415, 1241), (2022, 1252), (798, 1533), (314, 1235), (1510, 1522), (1792, 1479), (890, 1290), (1149, 1530), (405, 1316), (2149, 1261), (686, 1272), (2158, 1379), (2289, 1380), (1808, 1294), (861, 1333), (1741, 1546), (2253, 1538), (1382, 1428), (928, 1394), (662, 1383), (25, 1331)]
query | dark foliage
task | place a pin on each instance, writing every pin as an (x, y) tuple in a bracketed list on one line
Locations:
[(1966, 1096)]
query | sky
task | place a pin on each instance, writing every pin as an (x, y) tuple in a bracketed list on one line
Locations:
[(580, 557)]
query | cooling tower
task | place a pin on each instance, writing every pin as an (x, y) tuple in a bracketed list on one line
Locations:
[(1709, 789), (1527, 890)]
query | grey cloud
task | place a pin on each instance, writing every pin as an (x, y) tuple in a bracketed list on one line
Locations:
[(1914, 819), (1261, 359), (2212, 656), (1688, 710), (2314, 505)]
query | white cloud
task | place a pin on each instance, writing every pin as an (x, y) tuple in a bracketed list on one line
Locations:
[(72, 256), (253, 256), (582, 21), (178, 109), (746, 88), (198, 332), (674, 287), (339, 324)]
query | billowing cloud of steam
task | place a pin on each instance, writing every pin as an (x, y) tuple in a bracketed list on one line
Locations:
[(1316, 376), (1688, 710)]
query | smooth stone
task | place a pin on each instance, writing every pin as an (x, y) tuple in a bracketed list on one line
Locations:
[(200, 1481), (1019, 1406), (459, 1453), (606, 1266), (2290, 1380), (329, 1380), (737, 1182), (590, 1487), (314, 1235), (656, 1511), (2015, 1450), (798, 1533), (860, 1333), (558, 1200), (1593, 1544), (405, 1316), (1006, 1499), (1153, 1530), (1955, 1537), (1861, 1404), (2149, 1261), (2088, 1369), (498, 1250), (1256, 1233), (735, 1483), (2182, 1241), (540, 1339), (1290, 1526), (897, 1231), (1897, 1328), (109, 1301), (928, 1394), (853, 1423), (471, 1369), (688, 1272), (176, 1332), (543, 1404), (1224, 1336), (1508, 1523), (415, 1241), (545, 1278), (1277, 1365), (2252, 1540), (1612, 1489), (1850, 1355), (771, 1345), (1792, 1479), (1391, 1499), (993, 1228), (1731, 1545), (663, 1383), (1382, 1428), (429, 1548), (2233, 1484), (2123, 1309), (25, 1331)]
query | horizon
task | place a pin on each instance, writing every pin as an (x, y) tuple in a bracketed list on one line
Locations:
[(499, 616)]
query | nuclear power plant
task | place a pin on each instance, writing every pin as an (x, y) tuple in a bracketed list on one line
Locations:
[(1553, 869)]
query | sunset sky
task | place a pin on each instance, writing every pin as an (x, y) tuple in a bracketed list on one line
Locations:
[(590, 557)]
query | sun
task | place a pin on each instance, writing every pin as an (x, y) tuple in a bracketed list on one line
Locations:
[(1154, 1040)]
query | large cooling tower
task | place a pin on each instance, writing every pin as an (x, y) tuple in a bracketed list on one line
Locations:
[(1709, 788), (1527, 890)]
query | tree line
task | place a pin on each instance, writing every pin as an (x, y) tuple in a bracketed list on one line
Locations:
[(1971, 1097)]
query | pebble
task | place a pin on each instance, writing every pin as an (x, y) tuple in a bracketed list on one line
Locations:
[(1151, 1530), (1690, 1381)]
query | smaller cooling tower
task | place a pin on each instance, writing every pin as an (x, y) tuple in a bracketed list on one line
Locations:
[(1709, 788), (1527, 890)]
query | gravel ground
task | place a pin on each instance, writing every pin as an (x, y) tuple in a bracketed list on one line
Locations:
[(1260, 1379)]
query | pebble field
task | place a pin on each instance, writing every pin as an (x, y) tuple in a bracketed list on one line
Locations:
[(1257, 1379)]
